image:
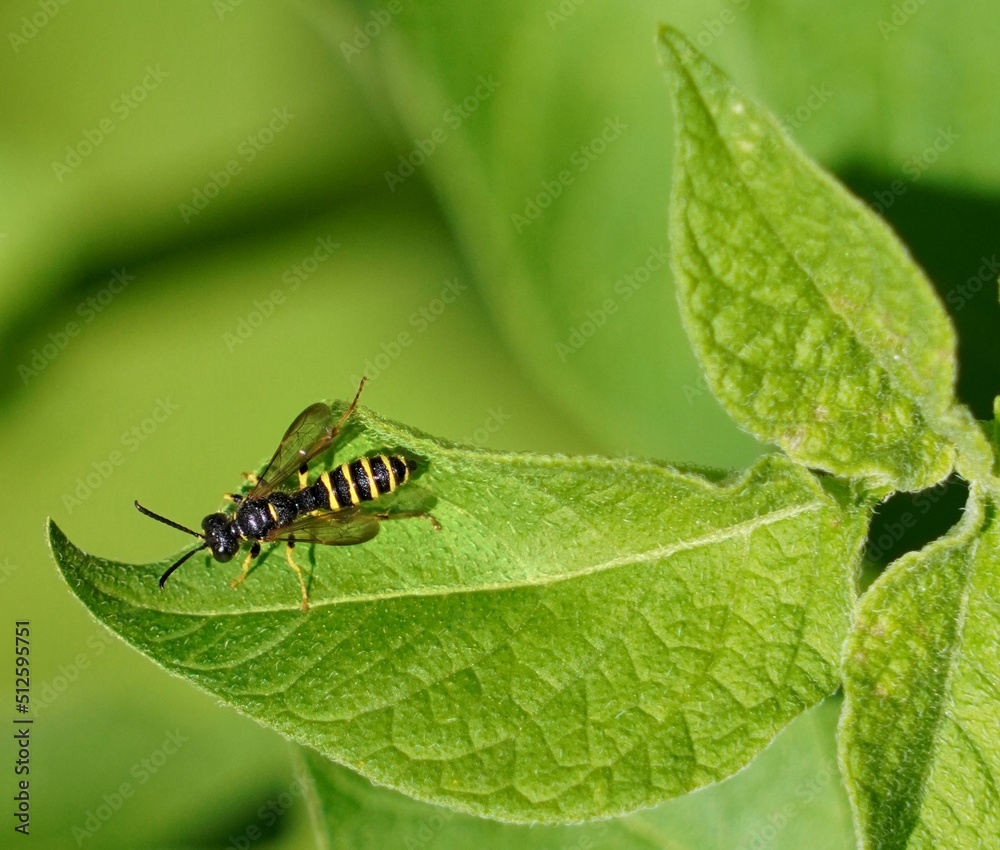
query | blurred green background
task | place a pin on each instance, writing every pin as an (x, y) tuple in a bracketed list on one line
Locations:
[(216, 213)]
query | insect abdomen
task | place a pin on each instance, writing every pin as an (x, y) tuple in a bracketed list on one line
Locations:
[(363, 479)]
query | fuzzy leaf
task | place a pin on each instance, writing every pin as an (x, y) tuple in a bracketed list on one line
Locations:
[(921, 673), (583, 637), (815, 328), (788, 795)]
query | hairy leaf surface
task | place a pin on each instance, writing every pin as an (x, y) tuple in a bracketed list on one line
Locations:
[(921, 674), (583, 637), (788, 795), (815, 328)]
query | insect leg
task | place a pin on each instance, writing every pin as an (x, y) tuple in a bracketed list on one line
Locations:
[(303, 476), (298, 573), (236, 498), (247, 563), (409, 515)]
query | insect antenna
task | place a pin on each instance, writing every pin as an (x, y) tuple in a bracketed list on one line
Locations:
[(166, 521), (179, 527), (181, 560)]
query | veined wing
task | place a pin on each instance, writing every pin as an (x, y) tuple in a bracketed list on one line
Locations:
[(309, 435), (312, 433), (330, 528)]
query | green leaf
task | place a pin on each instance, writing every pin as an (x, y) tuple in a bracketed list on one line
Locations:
[(994, 432), (815, 328), (788, 795), (918, 733), (583, 637)]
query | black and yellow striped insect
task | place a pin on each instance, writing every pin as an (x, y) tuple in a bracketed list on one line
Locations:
[(328, 511)]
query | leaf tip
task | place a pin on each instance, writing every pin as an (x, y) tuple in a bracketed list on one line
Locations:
[(65, 555), (54, 536), (675, 49)]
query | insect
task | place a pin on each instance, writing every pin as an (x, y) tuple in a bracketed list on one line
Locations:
[(327, 511)]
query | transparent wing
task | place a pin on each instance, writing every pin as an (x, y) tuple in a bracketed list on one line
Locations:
[(310, 434), (331, 528)]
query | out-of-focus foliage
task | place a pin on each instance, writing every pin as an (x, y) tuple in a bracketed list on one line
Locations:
[(158, 392)]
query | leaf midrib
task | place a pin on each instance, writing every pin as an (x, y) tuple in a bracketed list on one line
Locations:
[(947, 696), (894, 377), (738, 530)]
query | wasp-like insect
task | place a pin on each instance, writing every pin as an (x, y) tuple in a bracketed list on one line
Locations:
[(326, 511)]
